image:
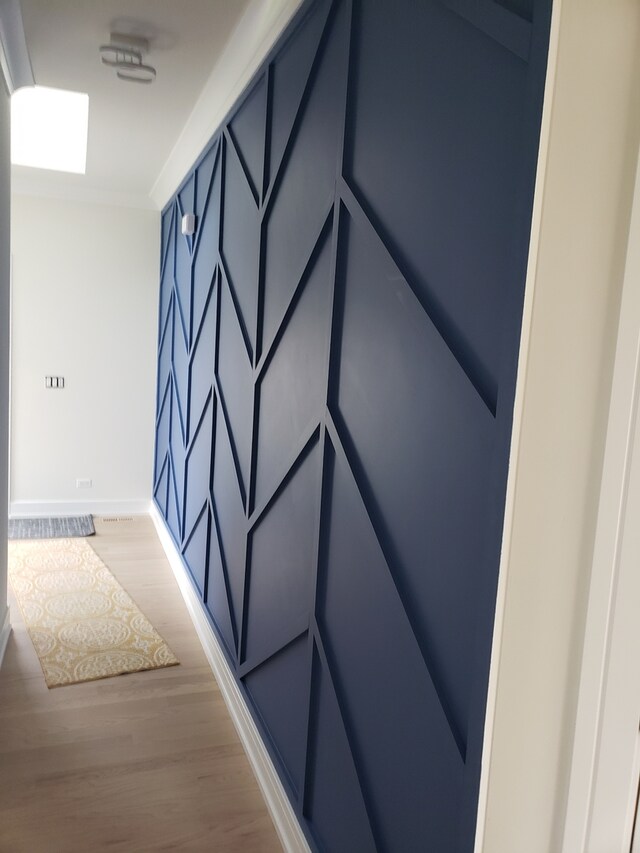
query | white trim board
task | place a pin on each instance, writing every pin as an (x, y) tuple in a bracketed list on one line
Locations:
[(572, 298), (604, 770), (47, 509), (5, 631), (277, 802), (518, 412), (23, 183)]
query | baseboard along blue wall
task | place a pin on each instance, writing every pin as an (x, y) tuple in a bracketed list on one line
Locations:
[(336, 372)]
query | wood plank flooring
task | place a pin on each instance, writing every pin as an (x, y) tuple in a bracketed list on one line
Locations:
[(137, 763)]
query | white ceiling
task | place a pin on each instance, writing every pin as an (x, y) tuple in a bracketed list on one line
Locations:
[(132, 127)]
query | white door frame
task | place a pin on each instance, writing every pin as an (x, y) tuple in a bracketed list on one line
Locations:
[(605, 763)]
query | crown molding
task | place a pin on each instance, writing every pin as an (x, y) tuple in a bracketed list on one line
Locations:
[(37, 185), (14, 56)]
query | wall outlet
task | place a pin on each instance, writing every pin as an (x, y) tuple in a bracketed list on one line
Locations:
[(83, 483), (54, 381)]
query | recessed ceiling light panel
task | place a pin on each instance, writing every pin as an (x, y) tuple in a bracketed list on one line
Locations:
[(49, 129)]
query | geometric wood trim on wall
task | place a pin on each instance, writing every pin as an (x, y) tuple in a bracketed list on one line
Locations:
[(336, 373)]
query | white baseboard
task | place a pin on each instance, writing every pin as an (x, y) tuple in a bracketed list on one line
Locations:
[(5, 630), (278, 804), (45, 509)]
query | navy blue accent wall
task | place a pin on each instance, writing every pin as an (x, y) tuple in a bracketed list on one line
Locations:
[(336, 371)]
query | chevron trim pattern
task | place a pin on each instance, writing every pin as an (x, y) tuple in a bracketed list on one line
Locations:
[(336, 370)]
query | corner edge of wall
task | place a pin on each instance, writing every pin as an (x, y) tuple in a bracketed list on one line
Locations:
[(493, 686), (5, 631), (277, 802)]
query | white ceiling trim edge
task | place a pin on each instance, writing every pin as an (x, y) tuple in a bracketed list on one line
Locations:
[(26, 186), (251, 40), (14, 56)]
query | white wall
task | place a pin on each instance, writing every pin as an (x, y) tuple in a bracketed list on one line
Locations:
[(5, 176), (581, 222), (85, 291)]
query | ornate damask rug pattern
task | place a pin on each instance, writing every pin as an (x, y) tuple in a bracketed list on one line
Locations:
[(83, 624)]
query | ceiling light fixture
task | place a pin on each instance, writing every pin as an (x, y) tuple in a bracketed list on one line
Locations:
[(49, 129), (125, 53)]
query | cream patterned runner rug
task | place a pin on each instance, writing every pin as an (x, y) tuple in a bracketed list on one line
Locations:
[(82, 623)]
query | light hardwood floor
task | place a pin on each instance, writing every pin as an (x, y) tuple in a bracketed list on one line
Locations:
[(142, 762)]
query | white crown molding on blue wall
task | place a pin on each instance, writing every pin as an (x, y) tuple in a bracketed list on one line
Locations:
[(25, 183), (252, 39), (282, 814)]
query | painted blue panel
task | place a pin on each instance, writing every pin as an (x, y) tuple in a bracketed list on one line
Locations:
[(282, 562), (230, 516), (292, 392), (307, 185), (163, 430), (524, 8), (177, 456), (160, 492), (334, 804), (386, 688), (198, 469), (247, 132), (167, 260), (209, 163), (464, 142), (165, 233), (208, 232), (432, 507), (187, 196), (180, 368), (290, 71), (279, 689), (240, 242), (218, 599), (236, 384), (165, 354), (182, 288), (173, 510), (195, 552), (202, 360)]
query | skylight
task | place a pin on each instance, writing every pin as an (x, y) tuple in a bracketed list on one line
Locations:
[(49, 129)]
